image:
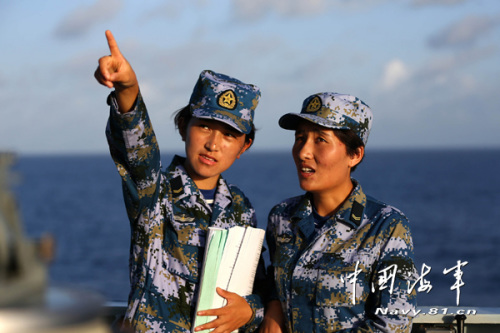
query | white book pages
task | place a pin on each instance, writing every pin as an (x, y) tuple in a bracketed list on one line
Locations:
[(228, 263), (246, 265)]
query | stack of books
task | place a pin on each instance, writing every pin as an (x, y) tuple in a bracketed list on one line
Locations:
[(231, 260)]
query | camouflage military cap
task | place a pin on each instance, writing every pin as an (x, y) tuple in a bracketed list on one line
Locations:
[(333, 110), (223, 98)]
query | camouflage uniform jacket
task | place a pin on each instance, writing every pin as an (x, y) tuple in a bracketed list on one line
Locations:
[(314, 270), (169, 219)]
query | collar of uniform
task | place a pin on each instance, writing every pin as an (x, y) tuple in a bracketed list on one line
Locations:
[(302, 216), (183, 185), (352, 210), (304, 208)]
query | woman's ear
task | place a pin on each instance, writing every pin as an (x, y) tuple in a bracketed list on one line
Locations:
[(357, 156), (245, 147)]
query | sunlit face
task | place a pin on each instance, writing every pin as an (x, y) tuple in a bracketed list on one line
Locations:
[(211, 148), (323, 165)]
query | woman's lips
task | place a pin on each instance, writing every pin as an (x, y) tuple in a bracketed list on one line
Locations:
[(207, 159)]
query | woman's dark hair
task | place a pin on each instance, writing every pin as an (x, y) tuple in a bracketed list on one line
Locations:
[(183, 116), (351, 141)]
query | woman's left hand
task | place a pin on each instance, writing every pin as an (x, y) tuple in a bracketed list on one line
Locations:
[(235, 314)]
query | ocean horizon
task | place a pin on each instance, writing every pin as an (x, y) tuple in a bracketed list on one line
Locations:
[(450, 196)]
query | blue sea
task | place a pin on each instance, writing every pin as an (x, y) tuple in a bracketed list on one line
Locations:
[(452, 198)]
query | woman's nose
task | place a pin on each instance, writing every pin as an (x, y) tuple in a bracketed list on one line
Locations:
[(213, 142), (304, 150)]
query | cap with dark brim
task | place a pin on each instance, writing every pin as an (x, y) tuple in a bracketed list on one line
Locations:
[(225, 117), (290, 121), (335, 111)]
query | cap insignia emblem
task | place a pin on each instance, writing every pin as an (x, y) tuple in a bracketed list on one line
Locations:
[(227, 100), (314, 104)]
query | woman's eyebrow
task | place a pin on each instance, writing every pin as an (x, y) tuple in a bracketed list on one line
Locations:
[(324, 132), (317, 130)]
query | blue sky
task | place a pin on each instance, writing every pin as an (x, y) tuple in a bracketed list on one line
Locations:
[(429, 69)]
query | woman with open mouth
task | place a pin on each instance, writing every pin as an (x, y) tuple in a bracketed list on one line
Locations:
[(341, 261)]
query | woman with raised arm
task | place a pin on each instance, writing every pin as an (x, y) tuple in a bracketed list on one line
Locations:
[(170, 210)]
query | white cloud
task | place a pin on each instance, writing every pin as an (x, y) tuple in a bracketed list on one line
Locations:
[(411, 90), (455, 62), (438, 102), (256, 9), (464, 32), (443, 76), (437, 2), (81, 20), (395, 72), (170, 10)]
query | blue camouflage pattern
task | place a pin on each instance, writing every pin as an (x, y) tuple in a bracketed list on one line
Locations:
[(314, 270), (333, 110), (169, 219), (226, 99)]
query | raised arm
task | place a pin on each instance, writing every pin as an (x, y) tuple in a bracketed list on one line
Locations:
[(114, 71), (130, 135)]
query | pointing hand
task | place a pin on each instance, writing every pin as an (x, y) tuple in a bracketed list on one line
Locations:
[(114, 71)]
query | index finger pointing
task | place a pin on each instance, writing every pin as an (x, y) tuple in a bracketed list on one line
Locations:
[(113, 46)]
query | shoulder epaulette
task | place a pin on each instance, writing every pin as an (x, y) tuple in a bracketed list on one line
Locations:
[(176, 186), (356, 213)]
